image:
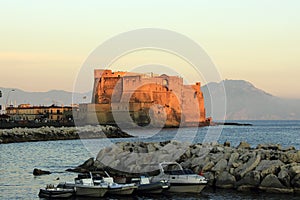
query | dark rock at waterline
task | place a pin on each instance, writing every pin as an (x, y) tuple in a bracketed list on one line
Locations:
[(38, 172), (250, 181), (225, 180), (87, 164), (86, 167), (296, 181), (234, 124)]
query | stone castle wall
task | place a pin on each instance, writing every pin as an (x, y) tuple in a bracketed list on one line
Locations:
[(145, 99)]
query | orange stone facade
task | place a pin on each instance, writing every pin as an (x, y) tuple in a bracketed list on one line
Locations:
[(146, 99)]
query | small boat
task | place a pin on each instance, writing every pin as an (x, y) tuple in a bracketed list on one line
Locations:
[(146, 187), (115, 188), (119, 189), (86, 187), (180, 180), (54, 192)]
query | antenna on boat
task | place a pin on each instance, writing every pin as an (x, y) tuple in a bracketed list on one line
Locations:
[(106, 173)]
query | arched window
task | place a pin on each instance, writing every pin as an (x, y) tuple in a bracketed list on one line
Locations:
[(165, 82)]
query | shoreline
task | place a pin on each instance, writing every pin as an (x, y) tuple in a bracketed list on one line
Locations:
[(17, 135), (12, 133)]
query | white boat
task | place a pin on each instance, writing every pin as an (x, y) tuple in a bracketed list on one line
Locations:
[(119, 189), (115, 188), (86, 187), (180, 180)]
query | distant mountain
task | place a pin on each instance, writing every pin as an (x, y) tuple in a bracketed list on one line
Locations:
[(59, 97), (245, 102)]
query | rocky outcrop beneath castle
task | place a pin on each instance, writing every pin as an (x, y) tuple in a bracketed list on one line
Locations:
[(269, 167), (59, 133)]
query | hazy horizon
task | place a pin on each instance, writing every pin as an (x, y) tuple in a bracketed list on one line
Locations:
[(89, 91), (44, 44)]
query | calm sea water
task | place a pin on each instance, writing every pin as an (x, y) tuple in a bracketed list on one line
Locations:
[(18, 160)]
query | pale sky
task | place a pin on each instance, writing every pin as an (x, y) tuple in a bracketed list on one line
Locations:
[(43, 44)]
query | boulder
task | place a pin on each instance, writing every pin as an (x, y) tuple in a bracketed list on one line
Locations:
[(199, 161), (296, 181), (186, 164), (288, 157), (208, 166), (294, 170), (151, 147), (87, 164), (210, 177), (274, 147), (246, 156), (284, 177), (195, 148), (269, 167), (290, 148), (225, 180), (141, 150), (271, 181), (38, 172), (217, 149), (226, 144), (243, 145), (272, 184), (216, 157), (251, 180), (236, 164), (249, 166), (233, 158), (201, 152), (220, 166)]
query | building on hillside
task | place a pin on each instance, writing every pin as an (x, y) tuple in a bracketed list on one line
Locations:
[(142, 99), (27, 112)]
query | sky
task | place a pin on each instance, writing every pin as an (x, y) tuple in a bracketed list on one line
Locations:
[(44, 44)]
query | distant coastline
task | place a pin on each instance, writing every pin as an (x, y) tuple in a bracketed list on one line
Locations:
[(16, 135), (32, 124)]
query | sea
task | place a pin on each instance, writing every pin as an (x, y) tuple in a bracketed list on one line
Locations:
[(17, 160)]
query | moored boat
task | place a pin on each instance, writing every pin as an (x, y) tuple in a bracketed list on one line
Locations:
[(54, 192), (86, 187), (116, 188), (180, 180), (146, 187)]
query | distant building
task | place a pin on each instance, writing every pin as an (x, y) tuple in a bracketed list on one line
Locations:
[(126, 97), (27, 112)]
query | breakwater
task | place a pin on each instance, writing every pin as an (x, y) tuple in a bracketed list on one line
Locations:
[(268, 167), (59, 133)]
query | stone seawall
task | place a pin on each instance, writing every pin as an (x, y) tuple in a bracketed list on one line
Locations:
[(269, 167), (59, 133)]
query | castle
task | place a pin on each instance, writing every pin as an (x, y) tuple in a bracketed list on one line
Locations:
[(127, 98)]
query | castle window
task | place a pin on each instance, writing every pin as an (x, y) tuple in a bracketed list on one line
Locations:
[(165, 82)]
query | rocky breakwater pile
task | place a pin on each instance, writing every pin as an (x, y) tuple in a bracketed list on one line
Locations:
[(269, 168), (61, 133)]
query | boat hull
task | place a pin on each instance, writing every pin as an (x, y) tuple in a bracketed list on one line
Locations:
[(122, 191), (56, 193), (186, 188), (90, 191), (153, 188)]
